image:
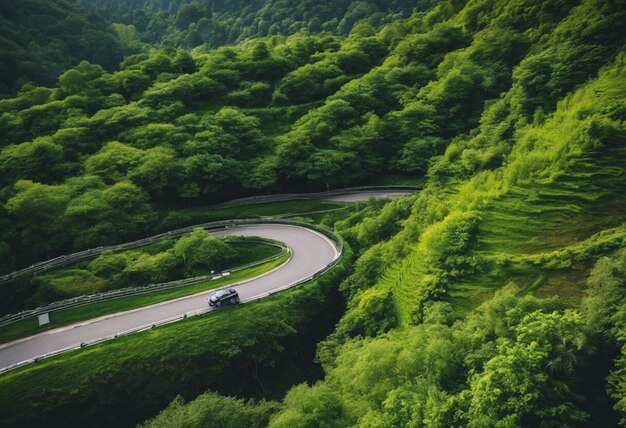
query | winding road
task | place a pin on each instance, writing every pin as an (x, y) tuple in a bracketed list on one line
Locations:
[(311, 252)]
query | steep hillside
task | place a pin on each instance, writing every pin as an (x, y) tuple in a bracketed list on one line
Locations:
[(495, 305), (172, 129), (39, 39), (214, 23), (526, 204), (494, 297)]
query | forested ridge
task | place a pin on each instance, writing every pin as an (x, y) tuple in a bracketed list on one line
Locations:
[(213, 23), (494, 297), (39, 39)]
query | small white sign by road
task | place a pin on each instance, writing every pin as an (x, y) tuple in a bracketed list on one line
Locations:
[(44, 319)]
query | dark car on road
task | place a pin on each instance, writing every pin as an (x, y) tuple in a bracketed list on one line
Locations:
[(224, 297)]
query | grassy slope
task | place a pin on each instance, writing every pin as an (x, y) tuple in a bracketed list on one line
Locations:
[(240, 350), (545, 215)]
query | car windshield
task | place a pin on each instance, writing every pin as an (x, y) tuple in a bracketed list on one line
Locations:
[(222, 293)]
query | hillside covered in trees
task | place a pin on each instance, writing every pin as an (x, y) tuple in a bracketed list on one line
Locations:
[(494, 297), (39, 39), (214, 23)]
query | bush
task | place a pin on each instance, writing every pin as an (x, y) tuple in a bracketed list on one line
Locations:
[(213, 410)]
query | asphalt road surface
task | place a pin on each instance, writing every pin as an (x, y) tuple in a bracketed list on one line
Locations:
[(311, 252), (360, 196)]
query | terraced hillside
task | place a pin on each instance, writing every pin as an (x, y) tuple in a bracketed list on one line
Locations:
[(488, 283), (539, 221)]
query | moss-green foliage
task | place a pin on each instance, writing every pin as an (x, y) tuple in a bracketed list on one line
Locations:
[(214, 410), (39, 39), (513, 361), (253, 350), (179, 218), (215, 24), (531, 195), (605, 309)]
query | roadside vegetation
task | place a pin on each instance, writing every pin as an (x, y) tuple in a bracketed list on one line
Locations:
[(194, 254), (504, 273), (187, 217), (64, 317), (493, 297), (252, 350)]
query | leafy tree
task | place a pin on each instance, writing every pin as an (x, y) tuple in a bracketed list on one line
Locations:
[(264, 175), (131, 83), (327, 165), (37, 209), (513, 387), (231, 133), (150, 269), (306, 406), (187, 88), (109, 264), (40, 39), (79, 79), (199, 250), (605, 312), (40, 160), (156, 172), (113, 162), (416, 153), (312, 81), (106, 215), (187, 14), (212, 409)]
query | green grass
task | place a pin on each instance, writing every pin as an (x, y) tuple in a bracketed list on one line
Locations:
[(249, 252), (549, 231), (78, 280), (58, 319), (546, 215), (126, 380), (400, 278)]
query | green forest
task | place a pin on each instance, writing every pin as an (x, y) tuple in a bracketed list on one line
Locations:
[(493, 297)]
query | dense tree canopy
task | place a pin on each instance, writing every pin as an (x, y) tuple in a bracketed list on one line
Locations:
[(217, 23), (41, 38), (494, 297), (510, 129)]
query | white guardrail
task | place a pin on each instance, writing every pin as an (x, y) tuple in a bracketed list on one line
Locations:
[(133, 291), (215, 225), (251, 200), (81, 255)]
